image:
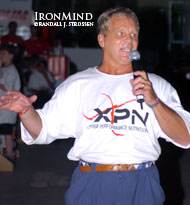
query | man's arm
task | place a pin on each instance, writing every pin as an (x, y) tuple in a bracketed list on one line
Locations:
[(17, 102), (32, 122), (170, 122)]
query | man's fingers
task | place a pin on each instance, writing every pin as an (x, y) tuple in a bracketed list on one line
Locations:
[(140, 73), (32, 99), (16, 101)]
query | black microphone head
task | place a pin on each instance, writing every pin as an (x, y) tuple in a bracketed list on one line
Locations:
[(134, 55)]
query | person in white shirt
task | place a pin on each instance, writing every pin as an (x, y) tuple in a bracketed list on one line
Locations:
[(40, 78), (116, 142), (41, 82), (9, 80)]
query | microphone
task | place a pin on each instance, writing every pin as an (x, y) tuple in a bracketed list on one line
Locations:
[(135, 58)]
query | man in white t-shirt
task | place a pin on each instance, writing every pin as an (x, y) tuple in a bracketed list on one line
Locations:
[(9, 80), (116, 141)]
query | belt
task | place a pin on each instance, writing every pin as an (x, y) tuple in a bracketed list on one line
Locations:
[(86, 167)]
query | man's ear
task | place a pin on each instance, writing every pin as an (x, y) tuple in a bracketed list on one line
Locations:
[(101, 40)]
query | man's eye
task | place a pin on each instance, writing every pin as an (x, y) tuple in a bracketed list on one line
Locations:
[(134, 35), (120, 33)]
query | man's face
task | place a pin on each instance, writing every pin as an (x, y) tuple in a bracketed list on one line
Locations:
[(5, 57), (120, 39), (13, 28)]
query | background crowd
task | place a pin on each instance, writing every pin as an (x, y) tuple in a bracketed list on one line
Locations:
[(24, 67)]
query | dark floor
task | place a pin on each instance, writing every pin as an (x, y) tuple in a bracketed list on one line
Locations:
[(41, 175), (43, 172)]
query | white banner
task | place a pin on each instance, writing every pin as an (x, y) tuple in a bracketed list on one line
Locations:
[(15, 10)]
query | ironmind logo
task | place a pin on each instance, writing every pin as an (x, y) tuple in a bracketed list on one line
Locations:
[(63, 19), (117, 114)]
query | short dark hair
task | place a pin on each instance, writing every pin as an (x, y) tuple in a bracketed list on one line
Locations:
[(10, 48), (12, 23)]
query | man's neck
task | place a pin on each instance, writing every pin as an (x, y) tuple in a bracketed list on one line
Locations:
[(12, 34), (115, 69)]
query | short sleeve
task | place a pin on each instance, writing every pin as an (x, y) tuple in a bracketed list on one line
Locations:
[(59, 116), (170, 97)]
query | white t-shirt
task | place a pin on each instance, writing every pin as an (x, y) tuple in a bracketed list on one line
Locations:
[(9, 77), (37, 81), (102, 114)]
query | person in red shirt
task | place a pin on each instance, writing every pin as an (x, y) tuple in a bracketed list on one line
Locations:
[(11, 37), (36, 44)]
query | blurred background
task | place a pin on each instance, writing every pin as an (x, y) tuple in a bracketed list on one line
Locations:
[(164, 34), (164, 45)]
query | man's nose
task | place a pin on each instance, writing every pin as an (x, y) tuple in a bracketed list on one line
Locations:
[(127, 36)]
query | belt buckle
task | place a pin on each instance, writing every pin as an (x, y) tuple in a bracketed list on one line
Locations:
[(117, 167)]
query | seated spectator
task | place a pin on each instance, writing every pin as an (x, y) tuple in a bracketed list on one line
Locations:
[(9, 80), (40, 80), (36, 44)]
